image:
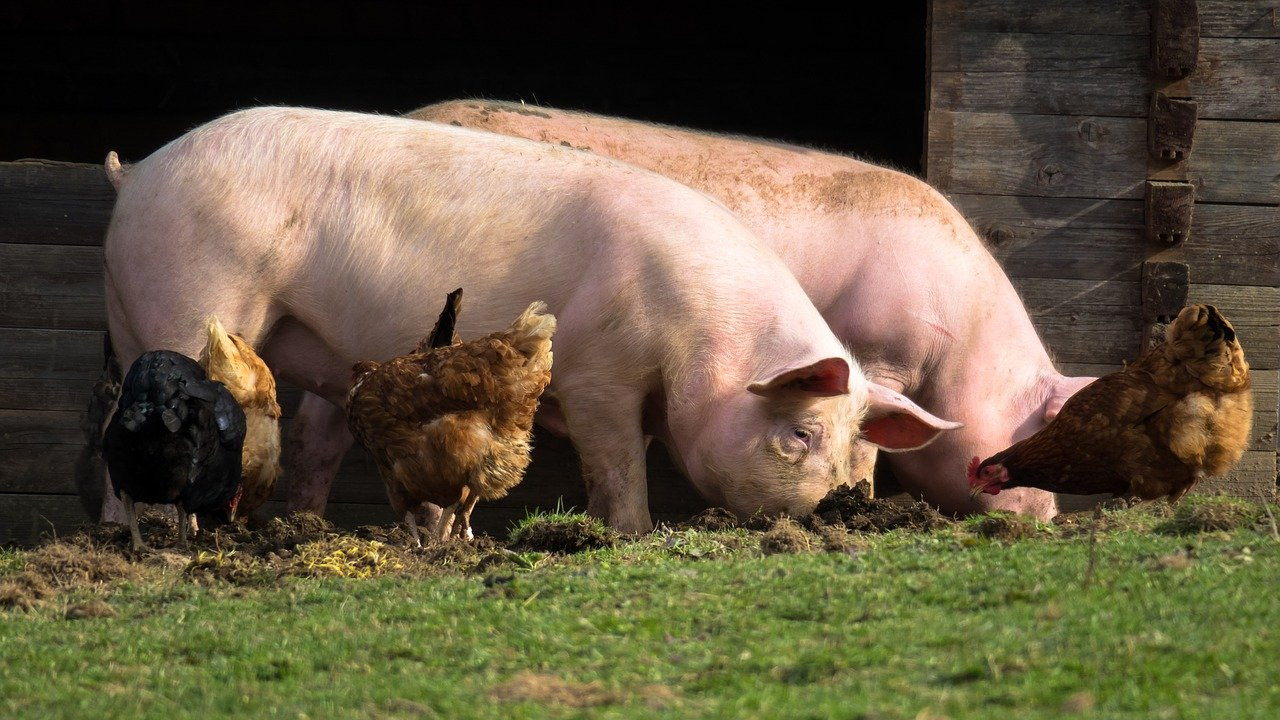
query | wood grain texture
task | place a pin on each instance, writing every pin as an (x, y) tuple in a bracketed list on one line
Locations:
[(1084, 321), (1253, 478), (51, 286), (1094, 157), (1218, 18), (53, 203), (1103, 239), (1239, 18), (1107, 75), (40, 353), (1072, 17)]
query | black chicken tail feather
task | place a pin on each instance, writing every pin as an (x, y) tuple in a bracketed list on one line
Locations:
[(445, 331)]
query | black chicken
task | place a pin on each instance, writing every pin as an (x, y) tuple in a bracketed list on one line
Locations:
[(176, 438)]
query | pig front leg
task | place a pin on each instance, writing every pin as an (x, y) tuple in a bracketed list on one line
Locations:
[(605, 427), (318, 438)]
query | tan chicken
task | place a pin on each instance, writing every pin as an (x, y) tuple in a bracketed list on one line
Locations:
[(451, 424), (1180, 413), (231, 361)]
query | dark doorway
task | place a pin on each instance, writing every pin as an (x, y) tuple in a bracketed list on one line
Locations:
[(84, 78)]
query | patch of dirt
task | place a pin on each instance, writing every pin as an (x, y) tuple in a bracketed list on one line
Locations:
[(786, 536), (714, 519), (1081, 702), (854, 509), (551, 690), (1207, 513), (1178, 560), (569, 534), (836, 539), (90, 609), (284, 533), (1004, 525), (23, 591), (59, 567)]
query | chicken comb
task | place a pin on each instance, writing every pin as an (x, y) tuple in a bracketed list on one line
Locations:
[(973, 472)]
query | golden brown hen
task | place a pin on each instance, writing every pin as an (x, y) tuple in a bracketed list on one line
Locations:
[(1181, 412), (451, 425), (231, 361)]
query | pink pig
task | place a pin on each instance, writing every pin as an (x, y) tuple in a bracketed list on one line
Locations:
[(325, 238), (893, 267)]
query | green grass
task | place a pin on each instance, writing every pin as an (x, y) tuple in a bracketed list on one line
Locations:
[(685, 624)]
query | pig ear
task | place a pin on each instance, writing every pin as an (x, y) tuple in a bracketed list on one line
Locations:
[(895, 423), (1062, 391), (825, 378)]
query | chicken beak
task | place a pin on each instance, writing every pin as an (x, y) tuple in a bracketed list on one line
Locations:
[(976, 490)]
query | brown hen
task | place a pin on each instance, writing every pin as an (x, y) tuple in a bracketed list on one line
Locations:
[(1181, 412), (230, 360), (451, 425)]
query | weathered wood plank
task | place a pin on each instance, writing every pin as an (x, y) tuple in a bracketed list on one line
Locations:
[(1084, 321), (1074, 17), (51, 286), (1102, 239), (1218, 18), (1094, 157), (47, 202), (1238, 78), (44, 394), (1254, 478), (1235, 78), (1239, 18), (1081, 321), (37, 353)]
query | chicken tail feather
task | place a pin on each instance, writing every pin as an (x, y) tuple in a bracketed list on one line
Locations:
[(531, 333), (445, 331)]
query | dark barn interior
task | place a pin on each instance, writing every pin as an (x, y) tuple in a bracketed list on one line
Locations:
[(84, 78)]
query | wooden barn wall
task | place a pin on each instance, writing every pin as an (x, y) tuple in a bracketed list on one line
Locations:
[(52, 323), (1037, 131)]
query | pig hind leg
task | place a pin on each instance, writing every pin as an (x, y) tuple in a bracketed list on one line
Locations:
[(605, 425)]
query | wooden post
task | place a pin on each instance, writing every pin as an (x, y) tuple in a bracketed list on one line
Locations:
[(1175, 37)]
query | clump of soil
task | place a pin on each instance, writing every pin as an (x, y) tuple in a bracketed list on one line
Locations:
[(475, 556), (90, 609), (854, 509), (836, 539), (562, 533), (24, 591), (714, 519), (1004, 525), (284, 533), (60, 567), (1210, 513), (786, 536), (549, 689)]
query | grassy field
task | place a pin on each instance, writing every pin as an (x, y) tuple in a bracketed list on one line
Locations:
[(990, 618)]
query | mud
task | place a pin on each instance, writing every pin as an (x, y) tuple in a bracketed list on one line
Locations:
[(853, 509)]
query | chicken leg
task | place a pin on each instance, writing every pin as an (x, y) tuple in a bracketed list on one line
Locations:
[(131, 515)]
